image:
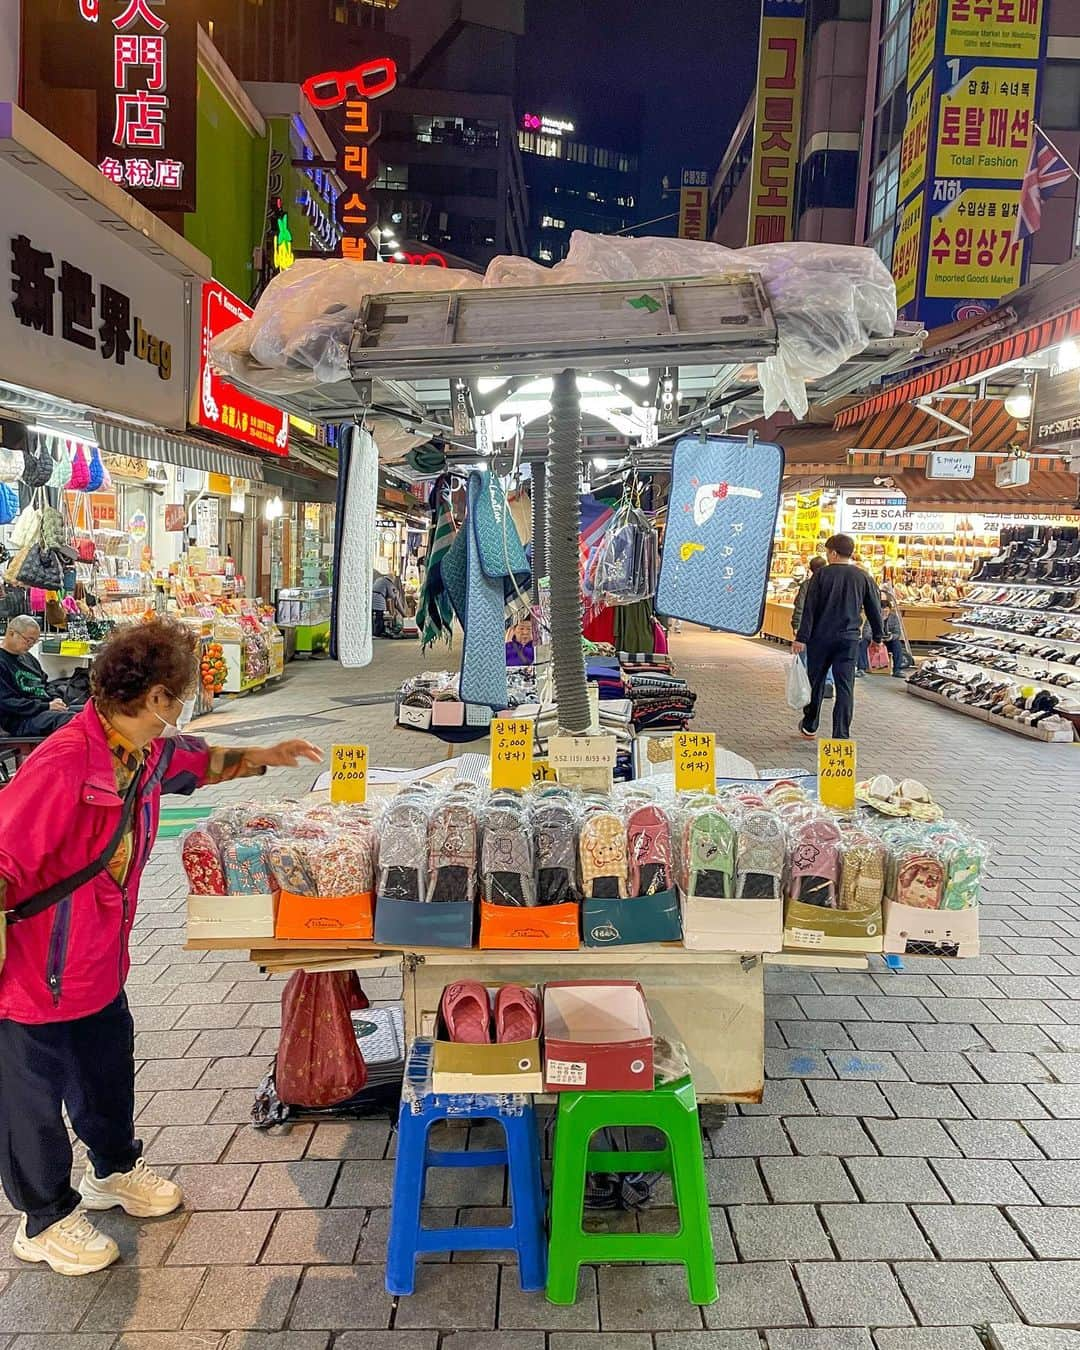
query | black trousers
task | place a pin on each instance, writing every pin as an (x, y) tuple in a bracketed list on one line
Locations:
[(88, 1066), (42, 723), (839, 657)]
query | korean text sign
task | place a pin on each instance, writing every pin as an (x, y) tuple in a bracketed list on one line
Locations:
[(348, 773), (778, 121), (222, 407), (695, 761), (511, 753), (836, 774)]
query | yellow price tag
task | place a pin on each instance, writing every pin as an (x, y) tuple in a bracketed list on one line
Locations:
[(695, 761), (348, 773), (511, 753), (836, 774)]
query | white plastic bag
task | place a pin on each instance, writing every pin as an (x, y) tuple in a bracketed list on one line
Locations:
[(798, 685)]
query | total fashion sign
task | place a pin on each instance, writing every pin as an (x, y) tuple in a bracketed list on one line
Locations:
[(222, 407)]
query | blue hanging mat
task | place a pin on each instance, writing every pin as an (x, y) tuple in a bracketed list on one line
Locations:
[(725, 496)]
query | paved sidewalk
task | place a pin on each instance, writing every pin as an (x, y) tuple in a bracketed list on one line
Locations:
[(910, 1181)]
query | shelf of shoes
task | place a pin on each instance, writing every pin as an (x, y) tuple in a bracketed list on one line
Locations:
[(968, 688), (1057, 639), (1021, 674), (1035, 598), (1060, 735), (1068, 660), (1033, 555)]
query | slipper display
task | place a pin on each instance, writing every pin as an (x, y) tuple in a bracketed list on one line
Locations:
[(517, 1015), (466, 1012), (604, 862), (648, 837)]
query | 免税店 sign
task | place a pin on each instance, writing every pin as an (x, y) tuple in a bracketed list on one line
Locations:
[(222, 407)]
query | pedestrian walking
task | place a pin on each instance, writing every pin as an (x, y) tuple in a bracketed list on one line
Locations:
[(816, 564), (838, 596), (77, 824)]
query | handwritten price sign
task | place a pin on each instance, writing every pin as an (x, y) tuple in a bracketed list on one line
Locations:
[(348, 773), (511, 753), (695, 761), (836, 774)]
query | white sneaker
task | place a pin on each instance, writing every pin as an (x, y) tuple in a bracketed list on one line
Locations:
[(72, 1246), (140, 1192)]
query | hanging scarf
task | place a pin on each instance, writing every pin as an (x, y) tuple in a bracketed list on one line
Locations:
[(434, 613)]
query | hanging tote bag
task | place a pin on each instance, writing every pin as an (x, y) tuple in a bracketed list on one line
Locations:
[(80, 471), (9, 503), (82, 530), (37, 461), (11, 464), (319, 1063), (61, 469), (97, 471)]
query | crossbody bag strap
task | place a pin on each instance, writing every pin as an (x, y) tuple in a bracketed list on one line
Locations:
[(37, 904)]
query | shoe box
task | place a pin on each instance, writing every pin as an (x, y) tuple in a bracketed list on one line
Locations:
[(342, 918), (598, 1036), (810, 928), (218, 917), (626, 923), (930, 932), (516, 1066), (717, 925), (530, 927)]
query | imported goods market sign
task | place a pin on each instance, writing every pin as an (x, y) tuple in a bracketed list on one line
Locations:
[(85, 316), (221, 407)]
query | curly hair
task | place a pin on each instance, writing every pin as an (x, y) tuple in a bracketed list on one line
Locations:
[(138, 657)]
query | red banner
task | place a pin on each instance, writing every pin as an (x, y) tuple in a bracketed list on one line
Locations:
[(222, 407)]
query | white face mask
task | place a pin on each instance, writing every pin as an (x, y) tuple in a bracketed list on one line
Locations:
[(171, 729)]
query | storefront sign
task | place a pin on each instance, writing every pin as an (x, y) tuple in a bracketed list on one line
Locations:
[(175, 517), (916, 143), (807, 520), (126, 466), (222, 407), (921, 38), (986, 122), (885, 513), (207, 522), (950, 464), (89, 318), (348, 773), (694, 204), (778, 121), (1010, 28), (973, 248), (1055, 420), (355, 89), (836, 774), (143, 65), (511, 753), (905, 263), (695, 761)]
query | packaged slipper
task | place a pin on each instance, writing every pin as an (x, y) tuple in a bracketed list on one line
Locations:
[(506, 858), (452, 851), (604, 864), (815, 862), (761, 854), (202, 863), (403, 849), (346, 865), (287, 862), (711, 849), (555, 833), (920, 879), (648, 838), (862, 872), (244, 863)]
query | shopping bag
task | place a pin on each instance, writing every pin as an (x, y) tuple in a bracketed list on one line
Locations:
[(798, 684), (318, 1060), (878, 656)]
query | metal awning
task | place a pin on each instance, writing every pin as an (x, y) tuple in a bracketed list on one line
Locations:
[(187, 452), (973, 425)]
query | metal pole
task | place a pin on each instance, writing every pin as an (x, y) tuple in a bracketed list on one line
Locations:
[(564, 527), (539, 526)]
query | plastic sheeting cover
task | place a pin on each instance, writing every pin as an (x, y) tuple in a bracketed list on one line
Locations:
[(828, 300)]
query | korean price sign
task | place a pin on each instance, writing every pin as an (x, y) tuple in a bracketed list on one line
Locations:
[(986, 123), (1009, 28), (972, 245), (511, 753), (695, 761), (348, 773), (836, 774)]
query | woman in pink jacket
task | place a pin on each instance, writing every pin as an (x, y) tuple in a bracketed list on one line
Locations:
[(77, 824)]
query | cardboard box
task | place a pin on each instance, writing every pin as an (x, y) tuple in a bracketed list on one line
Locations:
[(230, 916), (930, 932), (623, 923), (732, 925), (338, 918), (413, 923), (419, 719), (598, 1036), (514, 1067), (530, 928), (811, 928)]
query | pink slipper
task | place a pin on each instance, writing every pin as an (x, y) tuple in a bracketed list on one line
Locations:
[(517, 1015), (467, 1013)]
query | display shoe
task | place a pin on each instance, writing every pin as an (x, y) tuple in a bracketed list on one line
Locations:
[(71, 1246), (140, 1192)]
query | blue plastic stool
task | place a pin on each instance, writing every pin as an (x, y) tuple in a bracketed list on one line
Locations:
[(521, 1157)]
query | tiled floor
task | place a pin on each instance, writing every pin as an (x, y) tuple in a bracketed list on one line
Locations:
[(910, 1182)]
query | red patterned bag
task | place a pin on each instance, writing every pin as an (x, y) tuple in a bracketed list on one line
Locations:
[(318, 1060)]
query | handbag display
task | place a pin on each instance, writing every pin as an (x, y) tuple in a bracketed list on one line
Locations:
[(318, 1060), (11, 465), (27, 527), (9, 503), (41, 567), (37, 461), (97, 471), (80, 471)]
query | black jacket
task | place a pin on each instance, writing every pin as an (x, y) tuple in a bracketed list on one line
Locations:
[(23, 687), (836, 599)]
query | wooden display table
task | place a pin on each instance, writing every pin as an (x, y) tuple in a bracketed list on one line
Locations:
[(922, 623)]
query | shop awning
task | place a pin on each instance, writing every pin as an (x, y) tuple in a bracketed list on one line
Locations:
[(1013, 348), (1051, 490), (914, 428), (186, 452), (299, 487)]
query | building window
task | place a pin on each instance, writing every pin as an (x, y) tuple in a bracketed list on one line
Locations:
[(1061, 96), (545, 255), (393, 177), (552, 223), (468, 133)]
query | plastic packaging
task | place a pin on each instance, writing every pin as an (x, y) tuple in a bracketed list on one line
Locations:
[(244, 864), (453, 850), (403, 847), (710, 847), (507, 857), (624, 565), (346, 865), (555, 834), (814, 845), (202, 864), (287, 861), (798, 684), (602, 848), (761, 855)]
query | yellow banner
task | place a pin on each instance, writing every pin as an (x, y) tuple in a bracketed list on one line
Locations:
[(1009, 28), (695, 761), (776, 129), (220, 484), (126, 466), (348, 773), (807, 520), (986, 124), (511, 753), (905, 263), (916, 142), (921, 40), (973, 250), (694, 213), (836, 774)]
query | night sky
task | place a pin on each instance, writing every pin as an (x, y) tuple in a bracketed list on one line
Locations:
[(684, 67)]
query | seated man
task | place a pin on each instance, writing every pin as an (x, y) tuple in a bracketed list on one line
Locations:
[(26, 706)]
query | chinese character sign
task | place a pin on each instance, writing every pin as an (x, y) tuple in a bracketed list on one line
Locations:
[(354, 90), (777, 122), (221, 407), (147, 94)]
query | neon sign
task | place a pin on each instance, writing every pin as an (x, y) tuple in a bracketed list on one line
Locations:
[(424, 260), (283, 244), (549, 126), (355, 89), (88, 10)]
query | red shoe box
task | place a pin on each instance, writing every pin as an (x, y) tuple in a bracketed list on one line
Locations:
[(598, 1036)]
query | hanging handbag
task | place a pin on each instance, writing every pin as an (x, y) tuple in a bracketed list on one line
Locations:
[(52, 528), (37, 461), (61, 469), (27, 527), (9, 503), (11, 464), (83, 536), (80, 471), (14, 567), (318, 1060), (97, 471), (41, 567)]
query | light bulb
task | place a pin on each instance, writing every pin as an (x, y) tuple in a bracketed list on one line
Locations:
[(1018, 403), (599, 462), (1068, 356)]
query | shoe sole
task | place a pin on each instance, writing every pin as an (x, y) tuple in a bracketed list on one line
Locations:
[(135, 1211), (34, 1254), (808, 735)]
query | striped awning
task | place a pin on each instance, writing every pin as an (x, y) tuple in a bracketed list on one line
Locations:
[(1052, 490), (1012, 348), (911, 426), (170, 447)]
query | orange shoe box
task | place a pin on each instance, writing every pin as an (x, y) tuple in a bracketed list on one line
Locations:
[(335, 918), (553, 928)]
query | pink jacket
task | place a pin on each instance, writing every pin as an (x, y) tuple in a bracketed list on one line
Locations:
[(56, 816)]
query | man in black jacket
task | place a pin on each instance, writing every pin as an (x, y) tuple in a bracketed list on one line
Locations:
[(27, 708), (829, 631)]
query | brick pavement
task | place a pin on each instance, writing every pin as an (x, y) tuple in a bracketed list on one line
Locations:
[(909, 1182)]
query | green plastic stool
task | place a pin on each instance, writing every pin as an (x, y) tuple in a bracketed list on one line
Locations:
[(672, 1109)]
